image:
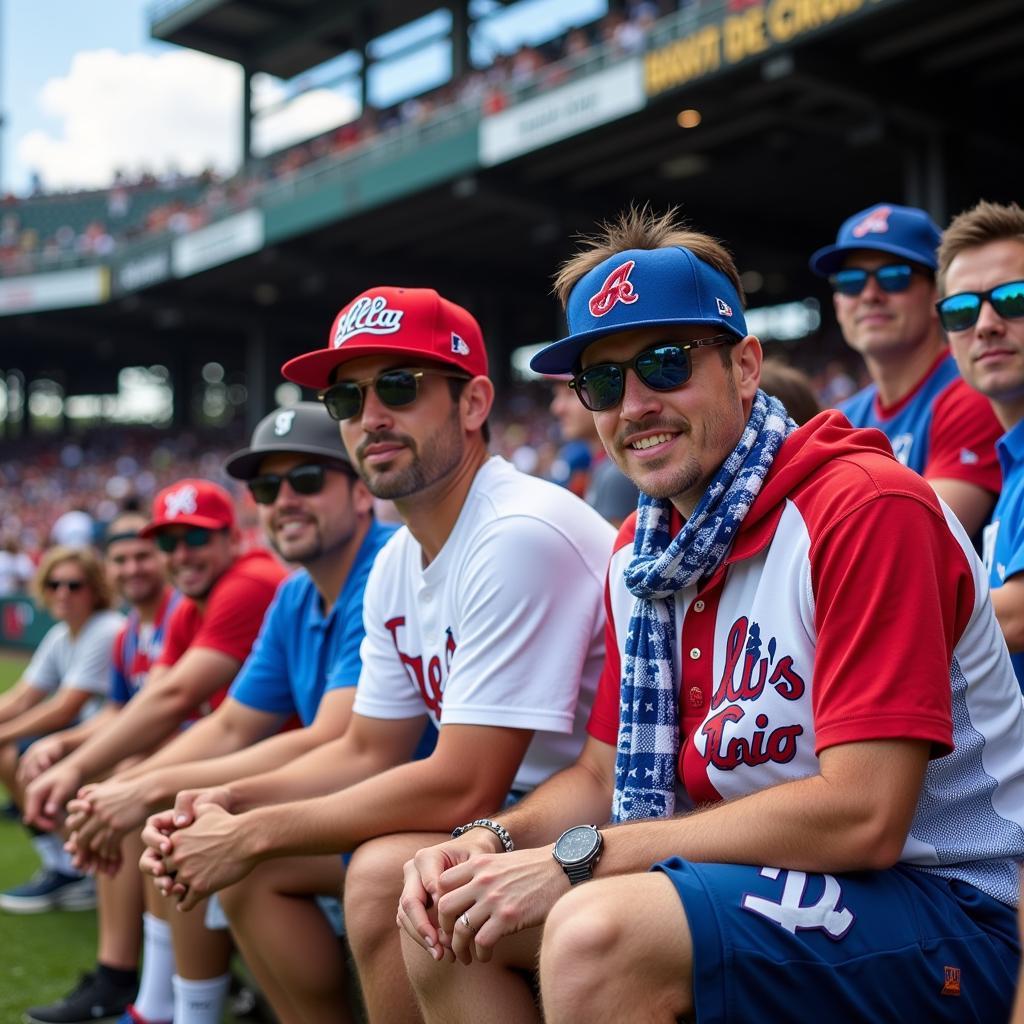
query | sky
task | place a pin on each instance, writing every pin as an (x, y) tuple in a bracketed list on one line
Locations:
[(85, 91)]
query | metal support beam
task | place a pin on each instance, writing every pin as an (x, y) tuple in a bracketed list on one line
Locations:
[(460, 38), (257, 381), (246, 115)]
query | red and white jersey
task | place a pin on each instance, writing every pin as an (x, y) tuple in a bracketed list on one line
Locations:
[(851, 607)]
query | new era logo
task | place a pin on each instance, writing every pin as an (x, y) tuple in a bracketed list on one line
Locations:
[(967, 457), (724, 308), (459, 346), (875, 223), (181, 502)]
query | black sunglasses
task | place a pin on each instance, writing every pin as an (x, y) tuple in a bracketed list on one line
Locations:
[(893, 277), (662, 367), (73, 586), (305, 479), (193, 537), (395, 388), (960, 311)]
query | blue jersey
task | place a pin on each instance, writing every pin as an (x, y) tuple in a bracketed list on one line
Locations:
[(943, 429), (1004, 536), (300, 653)]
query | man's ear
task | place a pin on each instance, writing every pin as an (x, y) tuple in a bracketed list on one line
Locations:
[(475, 403), (747, 357)]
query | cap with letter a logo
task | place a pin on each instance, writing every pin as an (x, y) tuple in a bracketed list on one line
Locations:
[(902, 231), (191, 503), (416, 322), (643, 288)]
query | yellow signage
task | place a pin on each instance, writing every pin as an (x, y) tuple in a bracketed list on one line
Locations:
[(738, 36)]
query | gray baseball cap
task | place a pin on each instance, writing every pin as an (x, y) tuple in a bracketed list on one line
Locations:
[(304, 427)]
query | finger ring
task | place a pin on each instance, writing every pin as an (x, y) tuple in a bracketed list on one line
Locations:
[(465, 920)]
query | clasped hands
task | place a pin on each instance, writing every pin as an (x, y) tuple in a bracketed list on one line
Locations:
[(461, 897)]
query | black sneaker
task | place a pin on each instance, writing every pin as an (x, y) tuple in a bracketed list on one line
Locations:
[(93, 1000)]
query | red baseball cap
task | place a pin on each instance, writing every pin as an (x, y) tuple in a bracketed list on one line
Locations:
[(191, 503), (382, 321)]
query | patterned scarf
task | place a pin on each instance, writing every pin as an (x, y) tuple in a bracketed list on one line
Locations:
[(662, 565)]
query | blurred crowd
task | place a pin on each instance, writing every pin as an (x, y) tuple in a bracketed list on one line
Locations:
[(51, 230)]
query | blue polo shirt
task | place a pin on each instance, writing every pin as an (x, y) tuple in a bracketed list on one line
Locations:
[(300, 654), (1004, 536)]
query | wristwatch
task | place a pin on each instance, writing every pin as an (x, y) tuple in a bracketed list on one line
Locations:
[(577, 850)]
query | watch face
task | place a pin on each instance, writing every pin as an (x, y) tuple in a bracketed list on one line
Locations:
[(576, 845)]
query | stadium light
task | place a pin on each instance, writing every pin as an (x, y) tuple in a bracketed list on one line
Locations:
[(688, 118)]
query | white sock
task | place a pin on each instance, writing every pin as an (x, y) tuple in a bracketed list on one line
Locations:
[(200, 1002), (49, 847), (155, 1000)]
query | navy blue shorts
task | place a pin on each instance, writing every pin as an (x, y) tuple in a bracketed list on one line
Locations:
[(898, 945)]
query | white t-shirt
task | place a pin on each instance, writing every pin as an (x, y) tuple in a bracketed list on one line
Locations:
[(76, 663), (503, 628), (16, 569)]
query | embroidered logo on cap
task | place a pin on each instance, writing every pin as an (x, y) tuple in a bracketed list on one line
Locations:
[(368, 316), (617, 287), (723, 307), (181, 502), (459, 346), (875, 223), (283, 422)]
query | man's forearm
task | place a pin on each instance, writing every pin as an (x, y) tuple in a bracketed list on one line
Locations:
[(162, 784), (137, 729), (575, 796), (413, 797)]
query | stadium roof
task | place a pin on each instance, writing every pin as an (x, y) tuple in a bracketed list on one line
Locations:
[(280, 37)]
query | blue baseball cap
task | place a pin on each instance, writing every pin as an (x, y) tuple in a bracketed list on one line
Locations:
[(885, 227), (642, 288)]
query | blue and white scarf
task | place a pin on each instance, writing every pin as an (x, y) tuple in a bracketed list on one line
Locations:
[(662, 565)]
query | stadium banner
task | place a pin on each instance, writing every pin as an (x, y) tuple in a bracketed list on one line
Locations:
[(756, 30), (563, 112), (219, 243), (143, 267), (22, 624), (62, 289)]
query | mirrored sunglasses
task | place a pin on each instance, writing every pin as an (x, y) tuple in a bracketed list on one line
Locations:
[(892, 278), (961, 311), (662, 367)]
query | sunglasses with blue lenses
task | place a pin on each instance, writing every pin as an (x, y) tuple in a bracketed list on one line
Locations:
[(892, 278), (961, 311), (662, 367)]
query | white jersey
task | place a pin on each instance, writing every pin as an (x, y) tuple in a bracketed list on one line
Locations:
[(83, 662), (503, 628)]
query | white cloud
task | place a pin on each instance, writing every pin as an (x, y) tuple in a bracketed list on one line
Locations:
[(308, 114), (157, 112)]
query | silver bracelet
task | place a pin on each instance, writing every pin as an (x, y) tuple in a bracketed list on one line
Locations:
[(499, 830)]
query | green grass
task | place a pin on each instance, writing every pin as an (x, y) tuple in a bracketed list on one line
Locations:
[(44, 953)]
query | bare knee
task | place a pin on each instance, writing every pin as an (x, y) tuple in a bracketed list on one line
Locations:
[(590, 928), (372, 886)]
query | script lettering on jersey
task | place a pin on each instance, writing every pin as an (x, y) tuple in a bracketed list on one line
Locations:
[(617, 287), (791, 913), (743, 652), (430, 681), (367, 316)]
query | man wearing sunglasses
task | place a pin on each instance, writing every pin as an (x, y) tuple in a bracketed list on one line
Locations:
[(791, 615), (483, 615), (981, 276), (882, 272), (208, 636)]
